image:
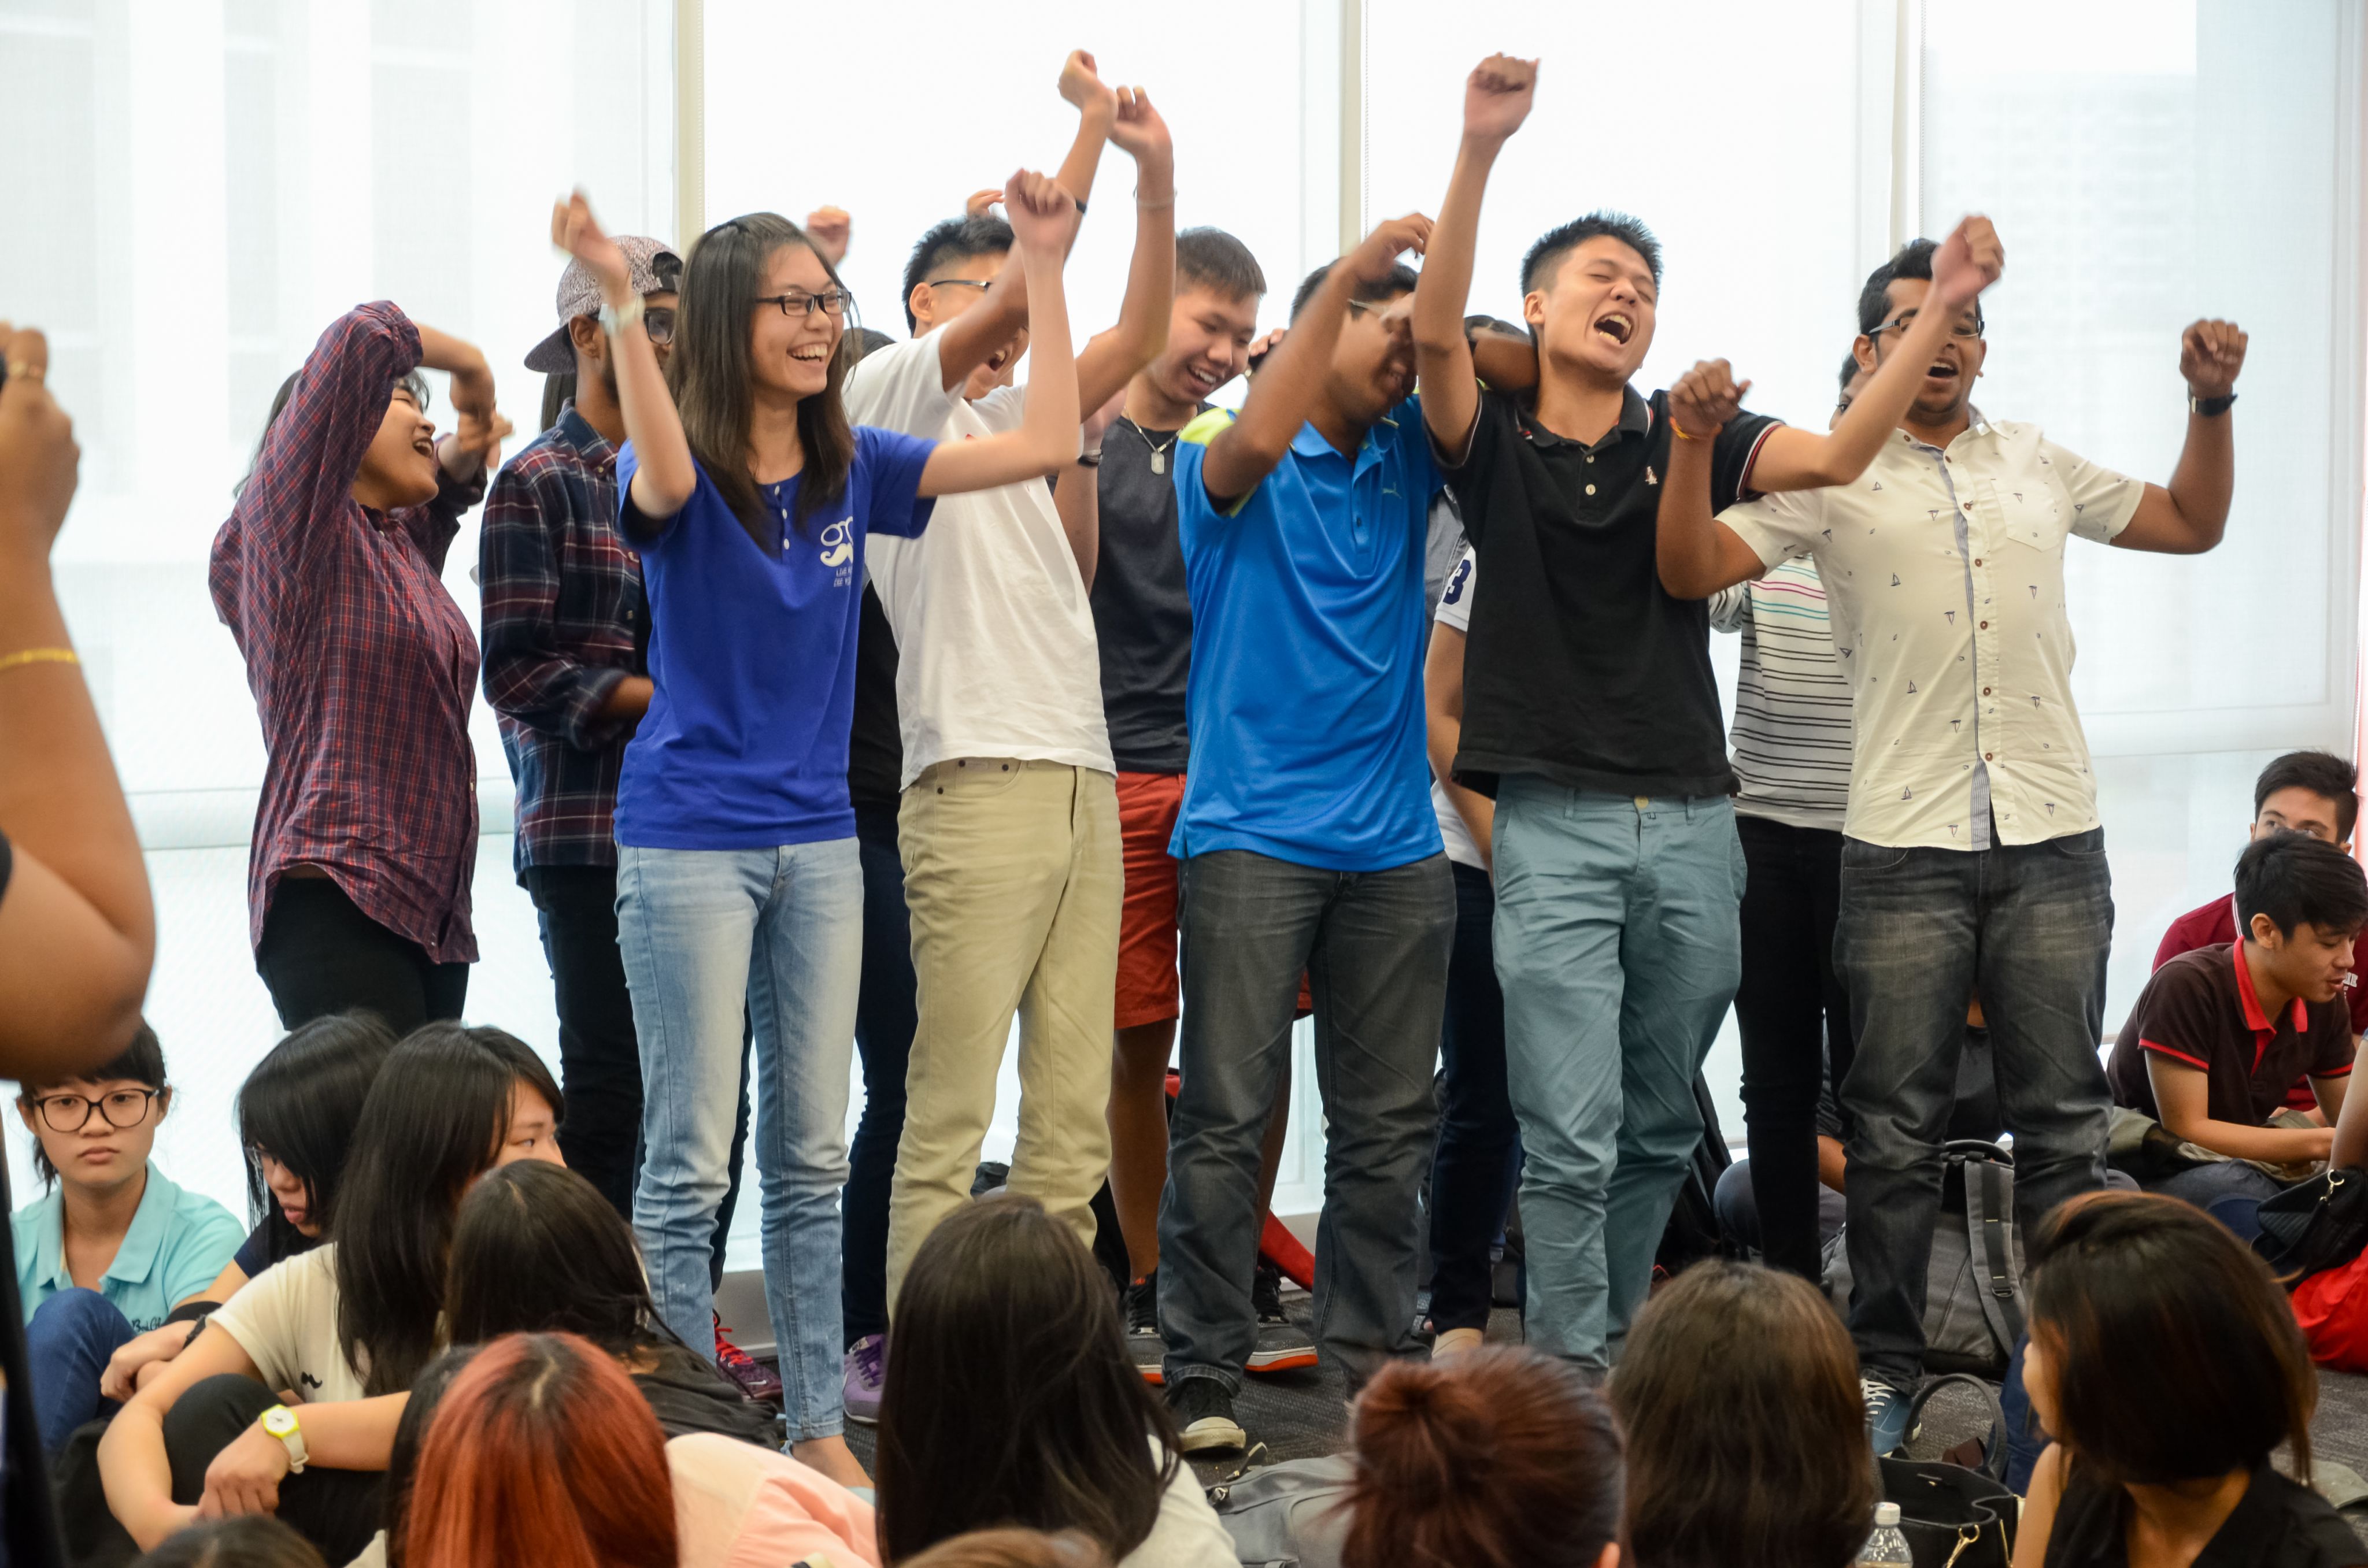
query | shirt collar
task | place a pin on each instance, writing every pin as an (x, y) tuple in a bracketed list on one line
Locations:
[(1635, 419), (137, 1254), (1310, 441), (576, 431), (2256, 1019)]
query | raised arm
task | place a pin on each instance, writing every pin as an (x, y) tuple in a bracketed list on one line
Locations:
[(1968, 262), (1111, 359), (1077, 495), (1496, 99), (1285, 389), (667, 476), (2190, 516), (1697, 554), (78, 927), (1043, 219)]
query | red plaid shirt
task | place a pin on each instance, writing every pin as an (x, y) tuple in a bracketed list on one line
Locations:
[(361, 664)]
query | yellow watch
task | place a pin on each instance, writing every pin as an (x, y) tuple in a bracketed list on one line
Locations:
[(281, 1422)]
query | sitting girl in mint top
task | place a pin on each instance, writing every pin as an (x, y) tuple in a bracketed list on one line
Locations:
[(115, 1247), (738, 884)]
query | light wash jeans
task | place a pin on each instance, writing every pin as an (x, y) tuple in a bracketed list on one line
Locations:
[(1617, 947), (704, 932)]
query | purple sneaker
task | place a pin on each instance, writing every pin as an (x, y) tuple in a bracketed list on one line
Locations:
[(866, 1368)]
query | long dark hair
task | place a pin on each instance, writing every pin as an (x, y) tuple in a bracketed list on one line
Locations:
[(1747, 1435), (433, 1124), (299, 1106), (713, 374), (2126, 1284), (1011, 1399), (410, 1434), (536, 1249)]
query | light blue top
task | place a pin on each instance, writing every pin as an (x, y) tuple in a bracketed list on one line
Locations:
[(177, 1245), (1308, 626)]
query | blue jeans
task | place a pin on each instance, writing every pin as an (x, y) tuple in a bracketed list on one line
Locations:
[(1479, 1153), (67, 1345), (778, 932), (1618, 951), (1374, 946), (2030, 925)]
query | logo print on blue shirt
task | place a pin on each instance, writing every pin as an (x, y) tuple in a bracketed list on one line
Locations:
[(838, 542)]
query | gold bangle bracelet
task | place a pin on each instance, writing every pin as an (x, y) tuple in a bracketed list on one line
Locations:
[(38, 656)]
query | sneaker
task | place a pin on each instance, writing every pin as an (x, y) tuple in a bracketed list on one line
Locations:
[(752, 1377), (867, 1370), (1281, 1344), (1204, 1416), (1887, 1415), (1143, 1339)]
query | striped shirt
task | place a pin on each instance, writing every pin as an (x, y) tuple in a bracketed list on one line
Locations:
[(1791, 734)]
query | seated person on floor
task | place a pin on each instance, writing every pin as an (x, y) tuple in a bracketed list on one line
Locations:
[(2218, 1033), (296, 1115), (2312, 793), (115, 1247)]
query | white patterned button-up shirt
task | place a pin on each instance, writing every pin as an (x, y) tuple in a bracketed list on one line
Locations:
[(1945, 575)]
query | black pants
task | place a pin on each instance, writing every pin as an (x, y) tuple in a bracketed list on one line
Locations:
[(1793, 1013), (337, 1510), (1478, 1159), (887, 1010), (320, 954), (599, 1055)]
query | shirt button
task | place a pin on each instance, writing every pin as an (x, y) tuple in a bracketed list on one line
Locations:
[(1989, 756), (1590, 456), (1986, 692), (1590, 490), (1986, 626), (1977, 561)]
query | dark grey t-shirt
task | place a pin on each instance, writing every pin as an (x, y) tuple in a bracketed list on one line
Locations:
[(1143, 612)]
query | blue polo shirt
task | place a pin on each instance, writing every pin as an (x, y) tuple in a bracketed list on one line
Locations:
[(177, 1243), (752, 654), (1305, 698)]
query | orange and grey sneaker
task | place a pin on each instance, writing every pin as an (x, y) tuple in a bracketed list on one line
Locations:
[(752, 1378), (1282, 1346), (1143, 1341)]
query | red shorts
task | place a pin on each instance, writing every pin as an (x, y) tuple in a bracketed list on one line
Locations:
[(1148, 992)]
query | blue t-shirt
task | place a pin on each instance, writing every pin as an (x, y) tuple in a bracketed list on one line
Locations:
[(752, 652), (1305, 698), (176, 1247)]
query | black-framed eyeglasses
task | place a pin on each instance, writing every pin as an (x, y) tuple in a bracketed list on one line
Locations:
[(797, 304), (119, 1108), (658, 322), (1959, 329), (960, 282)]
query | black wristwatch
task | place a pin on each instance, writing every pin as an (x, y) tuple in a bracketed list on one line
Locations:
[(2210, 407)]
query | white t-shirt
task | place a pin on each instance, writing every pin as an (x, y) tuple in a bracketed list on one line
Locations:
[(1188, 1533), (1455, 611), (995, 634), (286, 1320)]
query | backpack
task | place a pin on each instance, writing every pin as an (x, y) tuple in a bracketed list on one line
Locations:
[(1286, 1516), (1692, 1233), (1973, 1286)]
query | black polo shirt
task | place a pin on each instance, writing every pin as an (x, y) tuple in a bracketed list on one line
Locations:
[(1580, 667), (2198, 1010)]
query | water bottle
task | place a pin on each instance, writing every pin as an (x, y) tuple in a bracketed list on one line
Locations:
[(1886, 1548)]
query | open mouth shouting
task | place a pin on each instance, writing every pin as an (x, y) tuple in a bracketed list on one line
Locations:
[(1617, 326)]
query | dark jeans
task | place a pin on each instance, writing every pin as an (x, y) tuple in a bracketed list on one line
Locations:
[(600, 1059), (1920, 928), (337, 1510), (320, 954), (66, 1346), (1374, 946), (1479, 1153), (887, 1012), (1742, 1222), (1792, 1009)]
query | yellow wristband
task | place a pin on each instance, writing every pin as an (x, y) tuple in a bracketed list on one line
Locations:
[(1681, 433), (38, 656)]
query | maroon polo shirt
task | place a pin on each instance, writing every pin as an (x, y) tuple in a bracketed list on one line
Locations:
[(2199, 1009)]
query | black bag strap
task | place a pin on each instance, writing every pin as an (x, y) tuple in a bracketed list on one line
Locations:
[(1990, 1224), (1993, 1463)]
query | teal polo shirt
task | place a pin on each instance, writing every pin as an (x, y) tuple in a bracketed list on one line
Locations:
[(1304, 702), (176, 1247)]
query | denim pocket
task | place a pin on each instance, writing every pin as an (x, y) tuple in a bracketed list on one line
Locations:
[(1857, 855), (2082, 846)]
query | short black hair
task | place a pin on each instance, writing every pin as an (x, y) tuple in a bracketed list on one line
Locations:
[(1557, 243), (1212, 259), (248, 1541), (1912, 260), (2322, 773), (142, 1062), (951, 241), (2297, 879), (1401, 281), (1850, 374)]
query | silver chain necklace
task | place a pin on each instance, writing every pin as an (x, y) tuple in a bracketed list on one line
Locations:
[(1158, 452)]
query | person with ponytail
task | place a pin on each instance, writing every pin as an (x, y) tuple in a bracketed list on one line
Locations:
[(1747, 1439), (343, 1328), (1498, 1458), (1012, 1400), (750, 499)]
